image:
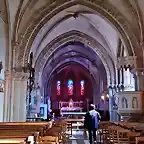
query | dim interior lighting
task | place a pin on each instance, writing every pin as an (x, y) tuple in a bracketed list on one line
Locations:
[(105, 97), (41, 97), (102, 97)]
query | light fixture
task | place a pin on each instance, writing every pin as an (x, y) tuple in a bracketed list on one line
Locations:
[(102, 97), (105, 97)]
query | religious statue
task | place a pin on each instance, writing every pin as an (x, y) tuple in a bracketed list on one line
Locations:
[(70, 103), (124, 103), (1, 66), (134, 102)]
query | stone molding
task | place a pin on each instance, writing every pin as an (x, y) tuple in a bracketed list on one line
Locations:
[(47, 75), (134, 100), (128, 61), (18, 76), (29, 32), (139, 72), (78, 37)]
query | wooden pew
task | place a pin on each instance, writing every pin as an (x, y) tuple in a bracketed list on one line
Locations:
[(20, 130), (118, 132), (49, 135)]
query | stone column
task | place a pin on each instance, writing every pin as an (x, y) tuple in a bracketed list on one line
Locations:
[(140, 81), (15, 97), (7, 97), (111, 103), (118, 75), (118, 79), (122, 79)]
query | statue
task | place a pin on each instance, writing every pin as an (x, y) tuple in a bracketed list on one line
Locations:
[(1, 66), (124, 103), (70, 103), (134, 102)]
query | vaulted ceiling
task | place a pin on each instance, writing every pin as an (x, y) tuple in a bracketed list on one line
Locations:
[(30, 25)]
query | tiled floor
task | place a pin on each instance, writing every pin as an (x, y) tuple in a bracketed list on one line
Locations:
[(78, 138)]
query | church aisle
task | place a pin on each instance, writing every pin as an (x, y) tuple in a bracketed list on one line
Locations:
[(78, 138), (78, 142)]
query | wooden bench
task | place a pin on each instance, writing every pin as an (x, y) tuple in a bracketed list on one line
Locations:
[(49, 134), (15, 130)]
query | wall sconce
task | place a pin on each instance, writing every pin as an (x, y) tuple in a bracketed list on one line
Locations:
[(105, 97)]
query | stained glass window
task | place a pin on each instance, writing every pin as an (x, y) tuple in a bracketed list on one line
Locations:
[(70, 87), (58, 87), (82, 82)]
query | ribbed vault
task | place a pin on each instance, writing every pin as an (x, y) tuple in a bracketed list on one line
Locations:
[(73, 52), (99, 19), (88, 43)]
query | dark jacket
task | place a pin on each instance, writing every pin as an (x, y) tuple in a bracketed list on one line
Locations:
[(92, 119)]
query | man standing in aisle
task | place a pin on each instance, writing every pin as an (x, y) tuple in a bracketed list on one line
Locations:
[(91, 123)]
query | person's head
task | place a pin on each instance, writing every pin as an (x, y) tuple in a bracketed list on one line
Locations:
[(92, 107)]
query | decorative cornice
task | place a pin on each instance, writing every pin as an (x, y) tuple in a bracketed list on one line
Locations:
[(18, 76), (128, 61), (102, 6)]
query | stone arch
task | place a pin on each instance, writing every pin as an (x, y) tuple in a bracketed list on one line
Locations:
[(41, 16), (63, 64), (86, 40), (48, 85)]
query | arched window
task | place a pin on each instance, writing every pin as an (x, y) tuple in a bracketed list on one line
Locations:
[(70, 87), (58, 87), (82, 83)]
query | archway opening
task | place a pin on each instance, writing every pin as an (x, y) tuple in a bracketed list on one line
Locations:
[(74, 74), (72, 83)]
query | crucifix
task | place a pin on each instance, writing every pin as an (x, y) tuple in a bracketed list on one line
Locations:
[(30, 82)]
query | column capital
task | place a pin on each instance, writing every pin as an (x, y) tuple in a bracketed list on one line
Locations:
[(127, 61), (16, 75), (20, 76), (139, 71)]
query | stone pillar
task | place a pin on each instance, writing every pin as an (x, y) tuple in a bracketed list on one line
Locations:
[(111, 104), (140, 81), (15, 97), (1, 99), (118, 75), (18, 104), (7, 97), (118, 79)]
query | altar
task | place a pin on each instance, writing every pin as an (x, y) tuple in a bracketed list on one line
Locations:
[(71, 108)]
